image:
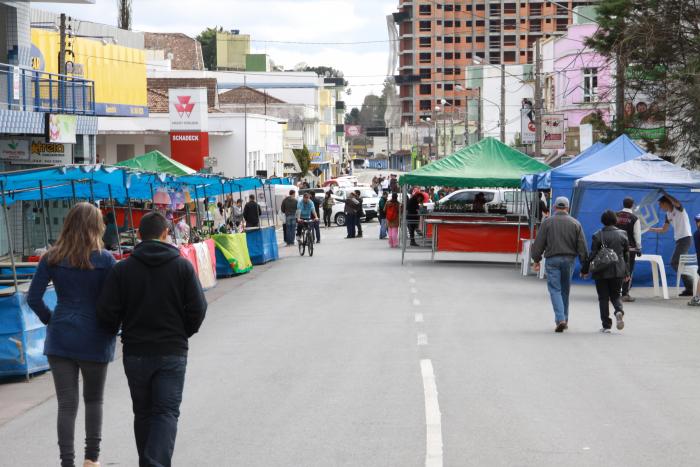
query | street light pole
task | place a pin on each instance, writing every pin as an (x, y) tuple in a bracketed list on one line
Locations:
[(503, 104)]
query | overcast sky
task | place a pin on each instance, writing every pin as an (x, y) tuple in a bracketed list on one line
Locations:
[(364, 65)]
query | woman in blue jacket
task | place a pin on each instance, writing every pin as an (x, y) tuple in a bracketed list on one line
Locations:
[(75, 343)]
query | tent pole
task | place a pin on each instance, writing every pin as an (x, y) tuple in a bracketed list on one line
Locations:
[(233, 203), (153, 198), (403, 224), (206, 209), (72, 187), (517, 240), (92, 193), (272, 205), (196, 208), (131, 218), (114, 213), (267, 211), (9, 236), (43, 214)]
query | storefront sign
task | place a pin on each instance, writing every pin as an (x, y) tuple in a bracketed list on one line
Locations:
[(353, 130), (61, 128), (16, 83), (333, 152), (43, 153), (553, 131), (188, 109), (189, 148), (528, 130), (14, 150)]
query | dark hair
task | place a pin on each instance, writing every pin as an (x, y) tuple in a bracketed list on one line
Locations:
[(608, 218), (152, 226), (394, 196), (628, 203), (251, 197), (664, 199), (239, 200), (291, 192)]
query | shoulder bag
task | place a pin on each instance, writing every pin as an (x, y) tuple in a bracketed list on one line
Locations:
[(605, 258)]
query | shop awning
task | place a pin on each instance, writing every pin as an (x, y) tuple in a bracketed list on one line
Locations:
[(488, 163), (156, 161)]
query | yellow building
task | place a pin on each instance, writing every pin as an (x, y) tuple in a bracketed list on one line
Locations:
[(231, 50)]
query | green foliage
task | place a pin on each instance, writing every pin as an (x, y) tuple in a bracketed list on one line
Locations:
[(353, 118), (325, 71), (304, 159), (208, 40)]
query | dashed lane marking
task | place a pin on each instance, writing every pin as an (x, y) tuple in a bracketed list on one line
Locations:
[(422, 339), (433, 441), (419, 317), (416, 302)]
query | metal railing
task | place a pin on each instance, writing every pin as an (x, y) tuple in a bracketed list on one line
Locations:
[(38, 91)]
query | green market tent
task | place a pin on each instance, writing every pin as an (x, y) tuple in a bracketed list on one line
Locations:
[(488, 163), (156, 161)]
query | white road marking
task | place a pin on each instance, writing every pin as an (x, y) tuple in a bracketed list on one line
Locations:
[(433, 441), (411, 281), (422, 339), (419, 317), (414, 290), (416, 302)]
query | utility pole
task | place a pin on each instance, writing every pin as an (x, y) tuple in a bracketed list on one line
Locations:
[(62, 46), (538, 100), (502, 118), (478, 117)]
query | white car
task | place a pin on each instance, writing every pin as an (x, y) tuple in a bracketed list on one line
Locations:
[(496, 198), (370, 201)]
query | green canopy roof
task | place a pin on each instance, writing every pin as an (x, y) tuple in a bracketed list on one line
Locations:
[(488, 163), (156, 161)]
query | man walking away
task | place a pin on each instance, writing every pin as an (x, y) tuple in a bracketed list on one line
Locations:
[(695, 301), (351, 208), (677, 217), (251, 213), (317, 208), (560, 240), (393, 219), (289, 209), (412, 218), (360, 213), (382, 215), (629, 222), (154, 296)]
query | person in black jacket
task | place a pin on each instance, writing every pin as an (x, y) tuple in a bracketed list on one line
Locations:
[(251, 212), (156, 299), (608, 283)]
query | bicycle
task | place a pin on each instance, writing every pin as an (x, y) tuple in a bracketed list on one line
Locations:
[(306, 237)]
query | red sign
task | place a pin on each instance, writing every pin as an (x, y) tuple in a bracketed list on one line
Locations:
[(189, 148), (353, 130)]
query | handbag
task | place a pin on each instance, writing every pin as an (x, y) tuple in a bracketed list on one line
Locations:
[(605, 258)]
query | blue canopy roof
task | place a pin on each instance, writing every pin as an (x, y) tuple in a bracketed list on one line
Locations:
[(543, 181)]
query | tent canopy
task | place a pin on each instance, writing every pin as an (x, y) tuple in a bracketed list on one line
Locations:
[(621, 150), (488, 163), (543, 181), (156, 161)]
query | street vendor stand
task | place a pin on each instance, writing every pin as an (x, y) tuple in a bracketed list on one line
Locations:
[(481, 236)]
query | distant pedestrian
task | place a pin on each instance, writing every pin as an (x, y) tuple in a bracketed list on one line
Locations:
[(289, 209), (412, 217), (352, 207), (393, 219), (394, 184), (609, 280), (317, 207), (360, 213), (695, 301), (75, 343), (251, 212), (385, 184), (560, 240), (238, 214), (155, 298), (328, 203), (306, 211), (629, 222), (677, 217), (381, 208)]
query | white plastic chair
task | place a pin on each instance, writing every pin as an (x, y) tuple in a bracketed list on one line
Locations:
[(687, 266)]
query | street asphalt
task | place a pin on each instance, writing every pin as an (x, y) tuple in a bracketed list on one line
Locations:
[(351, 359)]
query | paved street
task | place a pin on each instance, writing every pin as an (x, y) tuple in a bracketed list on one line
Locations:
[(327, 361)]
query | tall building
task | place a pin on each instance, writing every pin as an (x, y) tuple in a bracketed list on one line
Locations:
[(439, 38)]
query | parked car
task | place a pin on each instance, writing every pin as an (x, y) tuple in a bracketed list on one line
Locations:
[(496, 198), (370, 201)]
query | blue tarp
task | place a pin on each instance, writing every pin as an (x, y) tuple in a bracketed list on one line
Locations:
[(543, 181), (642, 179), (262, 245), (279, 181), (22, 336)]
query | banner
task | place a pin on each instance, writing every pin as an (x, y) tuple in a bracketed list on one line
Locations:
[(43, 153), (353, 130), (14, 150), (333, 152), (528, 130), (188, 109), (553, 131), (61, 128)]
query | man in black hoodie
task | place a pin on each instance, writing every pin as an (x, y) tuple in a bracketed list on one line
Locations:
[(157, 300)]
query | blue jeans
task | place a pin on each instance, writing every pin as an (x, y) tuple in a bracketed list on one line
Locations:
[(559, 271), (156, 384), (291, 229), (382, 228)]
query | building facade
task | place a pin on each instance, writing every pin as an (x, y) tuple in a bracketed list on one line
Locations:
[(439, 39)]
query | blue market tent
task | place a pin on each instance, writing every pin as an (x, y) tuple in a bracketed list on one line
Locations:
[(643, 179), (621, 150), (543, 181)]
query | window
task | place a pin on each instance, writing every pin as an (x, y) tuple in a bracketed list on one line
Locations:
[(448, 39), (424, 9), (438, 54), (449, 71), (425, 105), (449, 55), (449, 24), (479, 39), (469, 40), (424, 57), (425, 89), (424, 26), (458, 7), (458, 40), (590, 84), (458, 55), (480, 24), (480, 7), (468, 24), (425, 73), (458, 71), (449, 7), (449, 87), (458, 24), (424, 41), (458, 102)]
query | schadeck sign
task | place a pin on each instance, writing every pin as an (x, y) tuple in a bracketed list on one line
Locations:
[(185, 137), (188, 109)]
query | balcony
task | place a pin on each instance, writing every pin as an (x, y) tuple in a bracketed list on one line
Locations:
[(37, 91)]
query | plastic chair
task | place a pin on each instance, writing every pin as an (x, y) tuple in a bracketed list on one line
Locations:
[(688, 266)]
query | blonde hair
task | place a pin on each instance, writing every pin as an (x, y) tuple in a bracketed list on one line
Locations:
[(81, 235)]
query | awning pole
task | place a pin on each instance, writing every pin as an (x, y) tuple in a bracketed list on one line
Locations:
[(114, 213), (9, 236), (153, 198), (131, 218), (517, 240), (92, 193), (233, 203), (43, 214), (271, 205), (403, 223), (196, 208), (72, 187)]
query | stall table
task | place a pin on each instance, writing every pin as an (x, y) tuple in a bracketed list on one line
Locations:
[(262, 244), (232, 255)]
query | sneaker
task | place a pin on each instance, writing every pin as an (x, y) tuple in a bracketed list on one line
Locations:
[(605, 330), (627, 298), (413, 243), (620, 321), (566, 325), (561, 325), (695, 301), (686, 293)]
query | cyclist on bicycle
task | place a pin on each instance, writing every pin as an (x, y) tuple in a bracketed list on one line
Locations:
[(306, 211)]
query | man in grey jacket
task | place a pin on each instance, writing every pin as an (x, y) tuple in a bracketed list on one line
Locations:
[(289, 209), (560, 240)]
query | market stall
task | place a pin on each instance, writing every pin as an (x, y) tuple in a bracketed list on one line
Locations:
[(484, 234), (232, 257)]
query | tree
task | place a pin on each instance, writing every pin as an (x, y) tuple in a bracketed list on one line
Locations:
[(324, 71), (353, 118), (655, 46), (208, 40), (304, 159)]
